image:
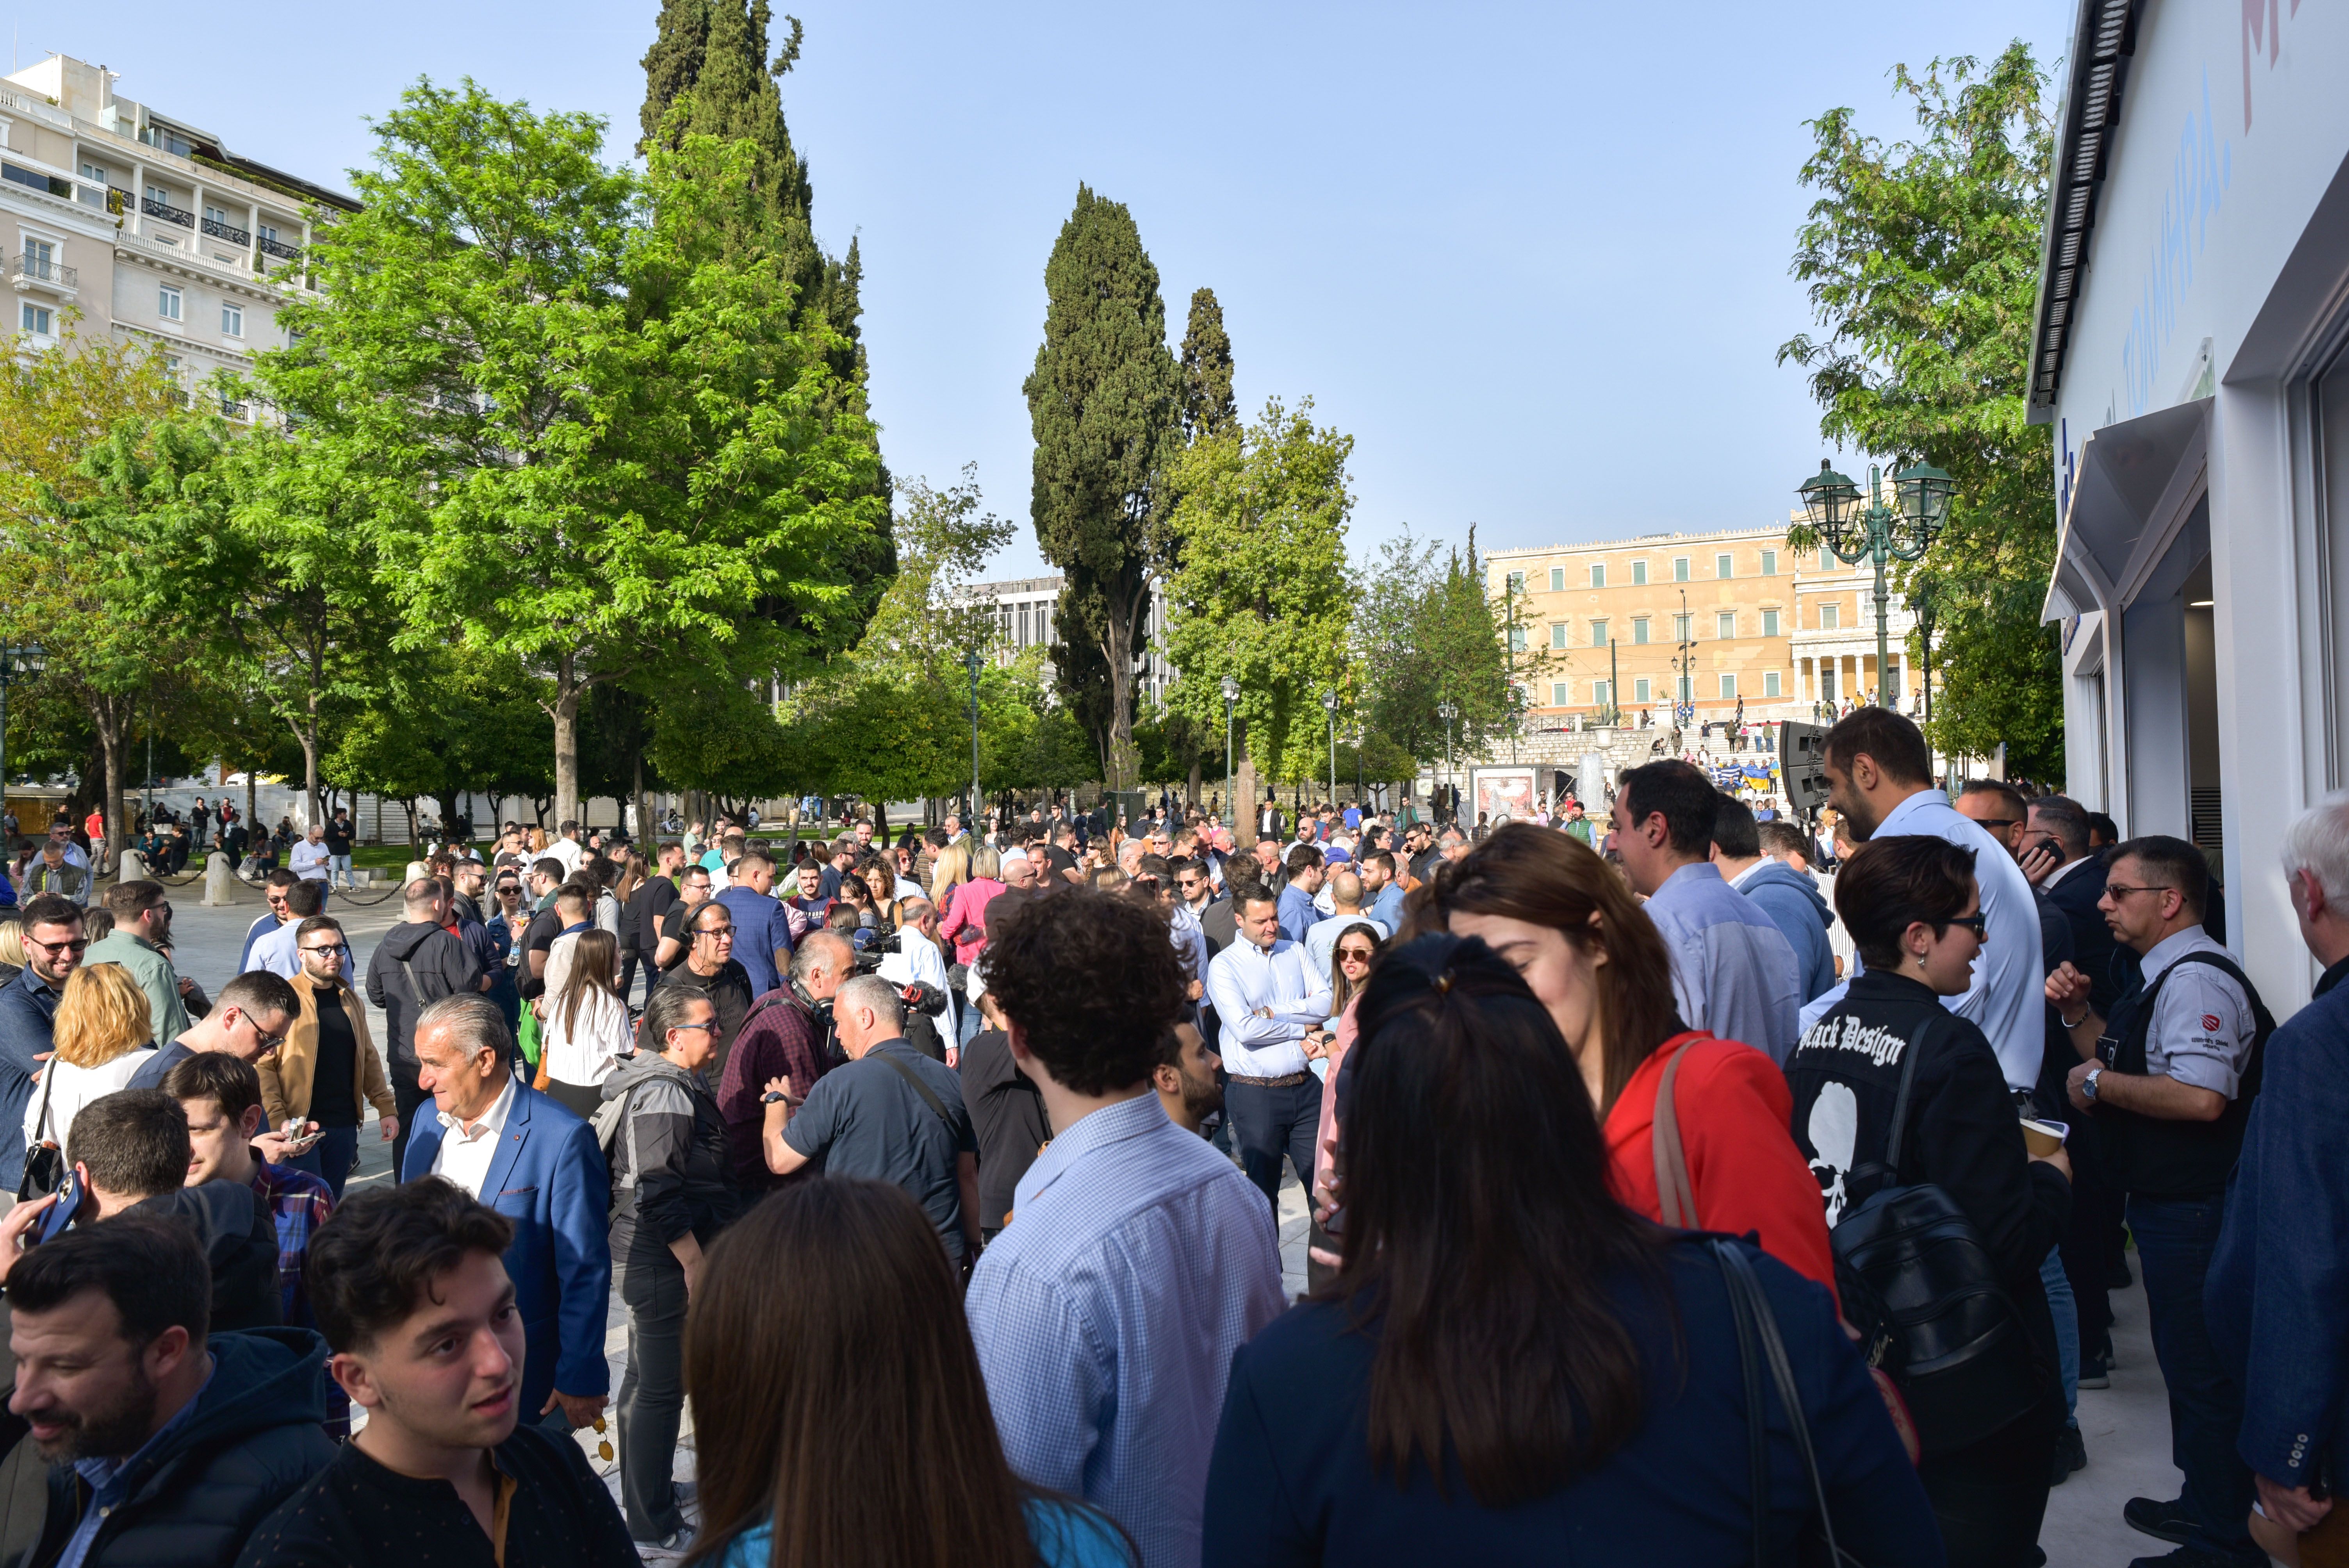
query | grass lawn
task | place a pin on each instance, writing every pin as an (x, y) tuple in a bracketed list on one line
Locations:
[(384, 857)]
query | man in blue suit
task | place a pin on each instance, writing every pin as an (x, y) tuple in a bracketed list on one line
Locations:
[(2277, 1294), (525, 1155)]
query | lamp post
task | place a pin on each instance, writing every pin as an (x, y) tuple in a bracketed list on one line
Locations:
[(1231, 807), (1921, 606), (1684, 698), (1447, 710), (1873, 532), (970, 660), (1330, 706), (22, 662)]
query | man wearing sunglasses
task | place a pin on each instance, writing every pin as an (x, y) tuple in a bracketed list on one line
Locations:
[(2169, 1077), (248, 1022), (54, 944)]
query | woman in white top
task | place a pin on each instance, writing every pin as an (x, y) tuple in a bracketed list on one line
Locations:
[(103, 1036), (584, 1031)]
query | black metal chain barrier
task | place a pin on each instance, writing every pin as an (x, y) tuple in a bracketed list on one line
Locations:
[(243, 891)]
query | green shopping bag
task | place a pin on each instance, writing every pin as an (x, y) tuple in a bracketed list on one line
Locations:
[(528, 1038)]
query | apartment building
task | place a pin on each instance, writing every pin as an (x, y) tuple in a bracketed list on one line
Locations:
[(1709, 619), (146, 225), (1025, 607)]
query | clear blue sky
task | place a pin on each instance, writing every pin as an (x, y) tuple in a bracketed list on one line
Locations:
[(1532, 257)]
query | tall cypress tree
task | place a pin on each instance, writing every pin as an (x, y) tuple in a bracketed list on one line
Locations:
[(1208, 409), (1104, 404), (712, 54)]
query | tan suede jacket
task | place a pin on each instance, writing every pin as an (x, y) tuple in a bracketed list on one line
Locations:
[(285, 1072)]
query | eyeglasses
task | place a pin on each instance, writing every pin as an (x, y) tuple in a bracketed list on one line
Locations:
[(2120, 890), (705, 1028), (716, 931), (330, 948), (1978, 924), (72, 944), (1999, 821), (1355, 954), (267, 1042)]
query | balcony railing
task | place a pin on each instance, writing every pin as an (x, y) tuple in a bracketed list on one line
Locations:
[(279, 249), (54, 273), (220, 231), (169, 214)]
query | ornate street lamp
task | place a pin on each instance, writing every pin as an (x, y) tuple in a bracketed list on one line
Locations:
[(1854, 531), (1447, 710), (21, 662), (1330, 706), (1231, 695)]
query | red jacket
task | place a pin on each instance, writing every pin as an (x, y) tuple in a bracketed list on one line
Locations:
[(1735, 1112)]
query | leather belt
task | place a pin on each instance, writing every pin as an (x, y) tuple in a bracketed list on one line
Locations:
[(1285, 1080)]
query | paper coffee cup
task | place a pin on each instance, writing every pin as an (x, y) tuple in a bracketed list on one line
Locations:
[(2043, 1138)]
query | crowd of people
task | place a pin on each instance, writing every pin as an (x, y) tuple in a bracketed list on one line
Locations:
[(1664, 1204)]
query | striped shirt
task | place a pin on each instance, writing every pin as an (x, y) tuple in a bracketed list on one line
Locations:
[(1137, 1261)]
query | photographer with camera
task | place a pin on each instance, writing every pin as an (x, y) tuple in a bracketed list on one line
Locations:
[(914, 962)]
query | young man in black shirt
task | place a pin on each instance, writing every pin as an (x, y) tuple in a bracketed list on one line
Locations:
[(326, 1071), (1007, 1113), (413, 1298)]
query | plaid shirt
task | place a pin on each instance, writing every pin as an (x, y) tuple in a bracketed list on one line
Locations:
[(300, 1202)]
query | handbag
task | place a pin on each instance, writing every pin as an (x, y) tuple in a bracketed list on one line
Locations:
[(45, 1163), (1923, 1291), (1676, 1203), (1760, 1350)]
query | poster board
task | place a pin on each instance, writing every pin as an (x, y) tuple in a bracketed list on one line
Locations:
[(1497, 793)]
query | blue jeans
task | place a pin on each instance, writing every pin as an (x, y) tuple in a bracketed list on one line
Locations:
[(967, 1028), (2175, 1239), (339, 866), (2067, 1312), (331, 1157)]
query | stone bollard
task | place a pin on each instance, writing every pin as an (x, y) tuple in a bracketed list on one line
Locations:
[(220, 876), (132, 866)]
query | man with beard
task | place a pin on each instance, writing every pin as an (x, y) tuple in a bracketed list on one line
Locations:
[(416, 1304), (1185, 1078), (166, 1446), (143, 930)]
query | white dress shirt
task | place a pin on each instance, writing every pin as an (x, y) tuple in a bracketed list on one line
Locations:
[(916, 961), (465, 1152), (1244, 981), (568, 850)]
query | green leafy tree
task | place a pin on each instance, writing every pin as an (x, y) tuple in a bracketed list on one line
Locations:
[(599, 438), (1103, 404), (1209, 407), (1921, 259), (926, 622), (1264, 593), (1430, 636)]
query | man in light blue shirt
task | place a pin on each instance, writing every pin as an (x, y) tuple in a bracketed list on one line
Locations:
[(1880, 777), (1380, 885), (1107, 1313), (279, 951), (1267, 1002), (1734, 976), (1298, 911)]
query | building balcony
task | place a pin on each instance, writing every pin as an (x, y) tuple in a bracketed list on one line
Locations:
[(279, 249), (220, 231), (51, 277), (169, 214)]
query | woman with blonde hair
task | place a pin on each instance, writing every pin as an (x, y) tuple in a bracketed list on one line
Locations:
[(949, 872), (104, 1034), (12, 949)]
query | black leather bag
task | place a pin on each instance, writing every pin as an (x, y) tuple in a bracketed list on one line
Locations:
[(1761, 1353), (1924, 1293), (45, 1163)]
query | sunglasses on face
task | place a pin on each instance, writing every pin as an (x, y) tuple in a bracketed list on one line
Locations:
[(73, 944), (1355, 954), (330, 948), (1978, 924)]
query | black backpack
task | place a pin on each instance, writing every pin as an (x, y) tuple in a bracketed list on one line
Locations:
[(1924, 1293)]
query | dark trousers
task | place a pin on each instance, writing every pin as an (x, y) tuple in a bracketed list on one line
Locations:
[(628, 971), (1990, 1497), (652, 1393), (1268, 1123), (2083, 1241), (410, 1098), (332, 1157), (2175, 1239)]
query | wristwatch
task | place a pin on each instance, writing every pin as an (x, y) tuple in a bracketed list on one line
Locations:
[(2088, 1084), (772, 1097)]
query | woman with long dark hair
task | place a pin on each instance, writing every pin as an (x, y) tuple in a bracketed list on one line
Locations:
[(1915, 913), (1512, 1367), (1566, 922), (828, 1331), (586, 1028), (1350, 957)]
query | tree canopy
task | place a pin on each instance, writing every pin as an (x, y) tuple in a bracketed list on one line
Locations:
[(1921, 259)]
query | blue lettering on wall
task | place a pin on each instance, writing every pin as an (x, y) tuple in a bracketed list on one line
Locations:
[(2197, 184)]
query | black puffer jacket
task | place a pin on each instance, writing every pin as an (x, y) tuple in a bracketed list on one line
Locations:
[(251, 1442)]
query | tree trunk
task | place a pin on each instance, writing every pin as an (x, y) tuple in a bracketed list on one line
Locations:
[(109, 740), (252, 800), (564, 711), (307, 734), (1197, 769), (1117, 647), (643, 833)]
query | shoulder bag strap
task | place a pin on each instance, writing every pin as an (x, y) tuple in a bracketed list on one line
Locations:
[(1675, 1198), (1757, 1429), (1909, 1056), (41, 1123), (910, 1077), (1746, 1292)]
